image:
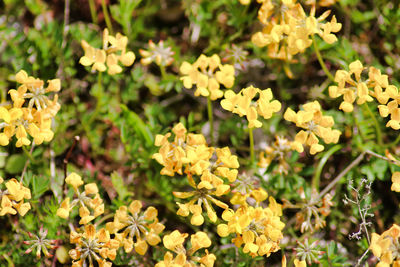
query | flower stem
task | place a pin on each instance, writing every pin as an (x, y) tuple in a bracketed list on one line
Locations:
[(210, 119), (107, 16), (377, 128), (341, 174), (92, 6), (321, 60), (251, 138), (163, 72), (317, 177)]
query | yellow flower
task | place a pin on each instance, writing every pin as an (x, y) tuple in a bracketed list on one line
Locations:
[(74, 179), (107, 58), (175, 242), (386, 245), (90, 207), (33, 120), (12, 199), (298, 263), (258, 229), (92, 245), (185, 149), (207, 73), (288, 30), (396, 182), (243, 104), (158, 53), (356, 88), (138, 228), (315, 124), (209, 187), (93, 57)]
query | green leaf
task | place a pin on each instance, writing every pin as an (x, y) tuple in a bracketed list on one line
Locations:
[(120, 186), (39, 186), (15, 163)]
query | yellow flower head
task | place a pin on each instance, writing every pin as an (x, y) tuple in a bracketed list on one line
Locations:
[(315, 125), (184, 149), (34, 119), (350, 88), (175, 242), (207, 73), (258, 229), (92, 245), (386, 246), (107, 58), (243, 104), (12, 198), (288, 30), (139, 229), (90, 206)]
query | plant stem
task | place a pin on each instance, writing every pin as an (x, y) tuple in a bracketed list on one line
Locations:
[(107, 16), (321, 60), (343, 173), (210, 119), (251, 146), (30, 158), (377, 128), (92, 6), (317, 177), (369, 152), (163, 72)]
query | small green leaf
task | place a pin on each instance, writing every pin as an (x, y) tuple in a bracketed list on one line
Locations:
[(39, 186), (120, 186), (15, 163)]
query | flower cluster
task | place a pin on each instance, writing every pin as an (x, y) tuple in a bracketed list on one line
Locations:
[(12, 198), (386, 246), (355, 88), (207, 73), (352, 87), (138, 229), (315, 125), (288, 30), (159, 53), (186, 258), (279, 150), (243, 104), (258, 228), (107, 58), (208, 170), (33, 119), (84, 199), (91, 246)]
